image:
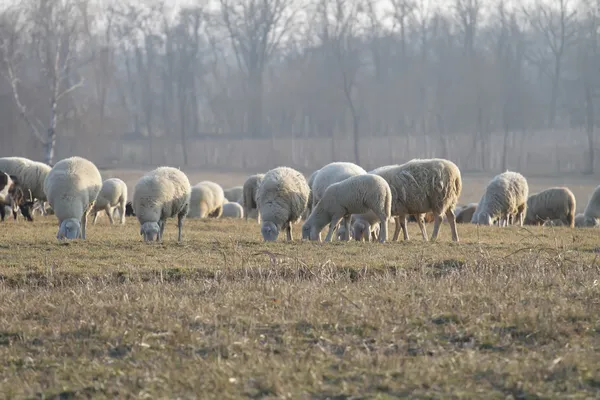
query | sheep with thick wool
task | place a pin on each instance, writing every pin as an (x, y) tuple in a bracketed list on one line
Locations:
[(232, 210), (30, 174), (112, 196), (235, 194), (282, 198), (355, 195), (420, 186), (506, 194), (556, 203), (328, 175), (160, 194), (249, 193), (465, 214), (206, 200), (366, 226), (71, 188)]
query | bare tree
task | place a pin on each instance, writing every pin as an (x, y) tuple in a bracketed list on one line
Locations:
[(53, 30), (554, 22), (256, 29)]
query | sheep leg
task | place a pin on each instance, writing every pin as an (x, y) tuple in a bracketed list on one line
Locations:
[(180, 218), (122, 212), (288, 230), (95, 217), (346, 222), (421, 222), (397, 229), (383, 230), (110, 218), (334, 221), (162, 224), (83, 224), (451, 217), (404, 229), (2, 212), (436, 226)]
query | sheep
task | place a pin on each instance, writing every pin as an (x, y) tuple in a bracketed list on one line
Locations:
[(31, 175), (206, 200), (20, 201), (129, 209), (234, 194), (71, 188), (592, 209), (112, 196), (282, 198), (581, 221), (365, 226), (505, 194), (250, 190), (333, 173), (160, 194), (556, 203), (311, 181), (233, 210), (420, 186), (5, 185), (355, 195), (465, 214)]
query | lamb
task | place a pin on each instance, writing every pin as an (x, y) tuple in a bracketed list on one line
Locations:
[(333, 173), (206, 200), (20, 201), (556, 203), (31, 175), (71, 188), (113, 195), (160, 194), (311, 181), (465, 214), (282, 198), (506, 194), (365, 226), (581, 221), (420, 186), (234, 194), (233, 210), (355, 195), (250, 191)]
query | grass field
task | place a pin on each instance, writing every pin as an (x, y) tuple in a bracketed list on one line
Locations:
[(505, 313)]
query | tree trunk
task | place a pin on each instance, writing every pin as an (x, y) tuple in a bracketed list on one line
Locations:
[(554, 95), (255, 105), (589, 127), (356, 132)]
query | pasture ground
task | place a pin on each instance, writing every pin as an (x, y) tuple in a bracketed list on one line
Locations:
[(505, 313)]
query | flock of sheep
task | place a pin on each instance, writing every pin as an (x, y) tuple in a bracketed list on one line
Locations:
[(352, 202)]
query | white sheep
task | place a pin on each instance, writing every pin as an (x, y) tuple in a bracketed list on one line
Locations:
[(421, 186), (232, 210), (206, 200), (112, 197), (250, 190), (333, 173), (160, 194), (592, 209), (556, 203), (31, 175), (71, 188), (234, 194), (504, 195), (366, 226), (465, 214), (282, 198), (581, 221), (355, 195)]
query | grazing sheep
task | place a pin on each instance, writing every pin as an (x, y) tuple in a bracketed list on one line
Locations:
[(235, 194), (311, 181), (420, 186), (232, 210), (113, 195), (355, 195), (556, 203), (71, 188), (328, 175), (20, 201), (31, 175), (581, 221), (592, 209), (206, 200), (160, 194), (250, 191), (282, 198), (506, 194), (129, 211), (465, 214), (365, 226)]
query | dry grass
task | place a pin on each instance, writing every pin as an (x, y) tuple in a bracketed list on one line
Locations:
[(506, 313)]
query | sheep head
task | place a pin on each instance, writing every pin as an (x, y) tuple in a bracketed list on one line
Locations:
[(269, 231), (360, 231), (69, 229), (483, 218), (150, 231)]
